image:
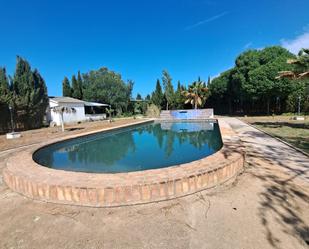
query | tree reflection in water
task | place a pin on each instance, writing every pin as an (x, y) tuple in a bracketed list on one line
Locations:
[(141, 147), (114, 148)]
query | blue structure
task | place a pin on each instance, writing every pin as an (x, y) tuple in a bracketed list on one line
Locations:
[(187, 114)]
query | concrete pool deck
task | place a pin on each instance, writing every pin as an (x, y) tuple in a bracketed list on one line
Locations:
[(105, 190), (266, 207)]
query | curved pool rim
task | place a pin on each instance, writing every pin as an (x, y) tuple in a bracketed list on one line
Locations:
[(30, 179), (36, 153)]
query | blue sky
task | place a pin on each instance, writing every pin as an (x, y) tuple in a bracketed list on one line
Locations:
[(139, 39)]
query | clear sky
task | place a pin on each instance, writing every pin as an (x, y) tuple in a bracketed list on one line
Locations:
[(139, 39)]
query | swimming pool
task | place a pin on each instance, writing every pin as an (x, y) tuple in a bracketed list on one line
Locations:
[(139, 147)]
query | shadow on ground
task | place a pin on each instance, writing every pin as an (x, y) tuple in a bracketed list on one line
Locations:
[(281, 198)]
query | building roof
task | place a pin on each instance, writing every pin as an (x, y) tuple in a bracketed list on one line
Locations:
[(65, 100), (69, 100)]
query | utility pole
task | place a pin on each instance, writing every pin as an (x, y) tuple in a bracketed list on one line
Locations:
[(12, 122), (299, 99)]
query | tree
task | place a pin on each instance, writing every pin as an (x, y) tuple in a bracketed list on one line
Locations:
[(39, 99), (29, 95), (4, 86), (300, 66), (76, 88), (168, 89), (299, 75), (138, 97), (196, 93), (157, 97), (106, 86), (220, 97), (5, 99), (66, 88), (80, 84), (208, 81), (250, 86), (148, 97), (179, 97)]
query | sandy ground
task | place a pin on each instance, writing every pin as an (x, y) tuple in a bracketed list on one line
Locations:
[(36, 136), (266, 207)]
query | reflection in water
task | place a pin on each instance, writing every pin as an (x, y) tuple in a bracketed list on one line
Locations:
[(141, 147)]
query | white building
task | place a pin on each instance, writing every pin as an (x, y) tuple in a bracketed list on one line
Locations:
[(82, 110)]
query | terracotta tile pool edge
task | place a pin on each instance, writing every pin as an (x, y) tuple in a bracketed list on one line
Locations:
[(26, 177)]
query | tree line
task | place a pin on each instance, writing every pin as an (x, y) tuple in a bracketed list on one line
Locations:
[(184, 97), (252, 86), (25, 94), (102, 85)]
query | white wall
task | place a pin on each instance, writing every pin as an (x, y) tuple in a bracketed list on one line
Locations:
[(73, 117)]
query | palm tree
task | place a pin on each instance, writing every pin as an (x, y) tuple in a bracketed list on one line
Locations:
[(301, 66), (196, 93), (61, 110)]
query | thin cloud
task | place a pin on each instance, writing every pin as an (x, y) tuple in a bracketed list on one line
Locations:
[(211, 19), (248, 45), (294, 45)]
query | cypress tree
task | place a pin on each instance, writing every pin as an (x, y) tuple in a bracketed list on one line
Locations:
[(30, 95), (39, 99), (22, 82), (168, 89), (179, 98), (157, 96), (208, 81), (66, 88), (4, 86), (22, 90), (80, 84), (76, 91), (4, 101), (138, 97)]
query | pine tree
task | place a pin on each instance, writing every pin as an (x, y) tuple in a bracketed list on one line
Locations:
[(168, 89), (66, 88), (157, 96), (76, 92)]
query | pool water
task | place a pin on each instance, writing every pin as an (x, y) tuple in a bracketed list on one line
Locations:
[(139, 147)]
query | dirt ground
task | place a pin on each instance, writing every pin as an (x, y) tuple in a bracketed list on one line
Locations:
[(36, 136), (266, 207)]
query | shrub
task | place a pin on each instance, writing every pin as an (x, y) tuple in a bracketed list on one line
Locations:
[(153, 111)]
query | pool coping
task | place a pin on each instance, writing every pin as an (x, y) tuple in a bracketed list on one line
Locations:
[(30, 179)]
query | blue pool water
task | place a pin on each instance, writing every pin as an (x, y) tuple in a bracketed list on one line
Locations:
[(139, 147)]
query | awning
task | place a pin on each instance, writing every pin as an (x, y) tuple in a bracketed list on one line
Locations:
[(95, 104)]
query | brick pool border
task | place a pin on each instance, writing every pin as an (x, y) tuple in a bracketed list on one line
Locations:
[(30, 179)]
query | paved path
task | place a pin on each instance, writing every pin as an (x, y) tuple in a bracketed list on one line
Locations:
[(260, 145), (267, 207)]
